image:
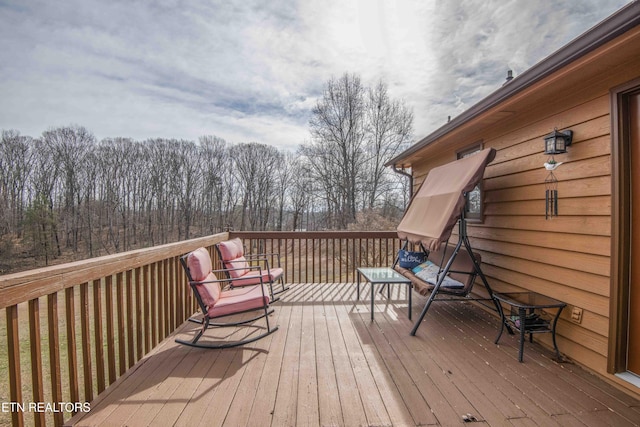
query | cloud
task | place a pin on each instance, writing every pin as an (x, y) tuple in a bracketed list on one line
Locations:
[(252, 70)]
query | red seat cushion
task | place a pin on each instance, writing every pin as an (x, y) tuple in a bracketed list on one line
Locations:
[(252, 277), (237, 300)]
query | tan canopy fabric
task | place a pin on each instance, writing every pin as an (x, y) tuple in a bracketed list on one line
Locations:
[(436, 207)]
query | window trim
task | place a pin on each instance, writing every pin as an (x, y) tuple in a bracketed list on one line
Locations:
[(464, 152)]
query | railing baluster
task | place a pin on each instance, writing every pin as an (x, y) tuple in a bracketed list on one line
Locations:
[(36, 359), (111, 353), (86, 342), (340, 262), (139, 331), (165, 298), (72, 356), (97, 321), (155, 316), (313, 260), (122, 352), (129, 319), (13, 347), (54, 355), (170, 303), (147, 307)]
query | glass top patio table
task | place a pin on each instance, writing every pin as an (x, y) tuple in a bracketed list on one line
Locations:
[(383, 275)]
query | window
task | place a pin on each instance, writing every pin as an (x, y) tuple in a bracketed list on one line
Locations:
[(473, 206)]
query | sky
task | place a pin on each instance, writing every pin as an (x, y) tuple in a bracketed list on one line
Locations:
[(252, 70)]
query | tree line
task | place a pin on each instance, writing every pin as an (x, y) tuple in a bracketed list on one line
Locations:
[(65, 191)]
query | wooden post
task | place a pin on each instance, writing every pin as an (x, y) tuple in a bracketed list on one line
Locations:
[(36, 359), (13, 350)]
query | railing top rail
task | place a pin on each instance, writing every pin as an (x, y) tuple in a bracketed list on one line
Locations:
[(388, 234), (24, 286)]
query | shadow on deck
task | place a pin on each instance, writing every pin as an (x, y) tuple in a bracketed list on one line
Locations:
[(330, 365)]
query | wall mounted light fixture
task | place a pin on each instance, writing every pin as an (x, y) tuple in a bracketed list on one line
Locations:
[(554, 143), (557, 142)]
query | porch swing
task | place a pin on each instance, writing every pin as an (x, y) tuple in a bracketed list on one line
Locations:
[(428, 223)]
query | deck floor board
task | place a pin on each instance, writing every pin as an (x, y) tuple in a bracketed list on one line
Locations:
[(330, 364)]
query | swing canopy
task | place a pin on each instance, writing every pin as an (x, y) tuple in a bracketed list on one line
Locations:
[(437, 206)]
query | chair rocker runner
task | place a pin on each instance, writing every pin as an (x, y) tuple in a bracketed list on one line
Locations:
[(215, 302), (239, 271)]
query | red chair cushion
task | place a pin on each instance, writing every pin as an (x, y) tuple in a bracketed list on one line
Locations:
[(199, 263), (232, 252), (238, 300), (253, 277), (209, 292)]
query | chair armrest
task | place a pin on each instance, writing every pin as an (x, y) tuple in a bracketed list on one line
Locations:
[(263, 257), (250, 267)]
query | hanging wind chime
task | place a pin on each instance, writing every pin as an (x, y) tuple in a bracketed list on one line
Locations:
[(551, 189), (554, 143)]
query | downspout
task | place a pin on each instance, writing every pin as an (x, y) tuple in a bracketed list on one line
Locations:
[(410, 176)]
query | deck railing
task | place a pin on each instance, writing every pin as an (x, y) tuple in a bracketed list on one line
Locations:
[(324, 256), (100, 316)]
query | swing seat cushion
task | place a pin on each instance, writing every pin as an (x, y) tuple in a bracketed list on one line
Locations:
[(458, 282)]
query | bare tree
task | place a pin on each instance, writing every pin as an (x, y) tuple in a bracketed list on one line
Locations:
[(255, 167), (354, 132), (300, 191), (336, 152), (215, 207), (388, 128), (69, 146), (40, 222), (16, 157)]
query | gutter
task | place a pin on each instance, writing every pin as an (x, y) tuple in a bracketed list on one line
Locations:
[(409, 175), (619, 23)]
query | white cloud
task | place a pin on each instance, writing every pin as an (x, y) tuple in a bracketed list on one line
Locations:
[(252, 70)]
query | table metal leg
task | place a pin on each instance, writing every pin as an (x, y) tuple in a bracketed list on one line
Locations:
[(553, 334), (503, 322), (372, 298), (358, 284), (522, 313), (409, 290)]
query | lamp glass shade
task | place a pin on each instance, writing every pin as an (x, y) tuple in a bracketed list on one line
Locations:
[(555, 143)]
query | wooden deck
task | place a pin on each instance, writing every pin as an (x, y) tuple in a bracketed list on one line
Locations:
[(328, 364)]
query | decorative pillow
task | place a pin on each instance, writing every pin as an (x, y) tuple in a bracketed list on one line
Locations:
[(417, 269), (409, 259), (429, 273), (426, 271)]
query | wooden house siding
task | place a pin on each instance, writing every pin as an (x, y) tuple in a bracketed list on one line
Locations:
[(568, 257)]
